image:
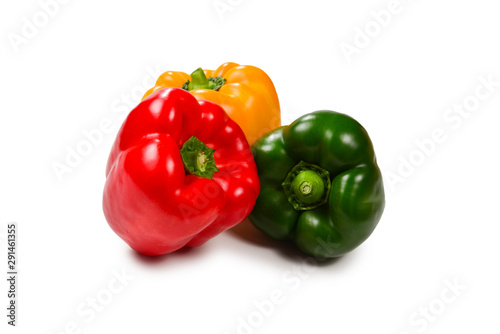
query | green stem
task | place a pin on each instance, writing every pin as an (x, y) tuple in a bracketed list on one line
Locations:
[(198, 158), (307, 186), (200, 81)]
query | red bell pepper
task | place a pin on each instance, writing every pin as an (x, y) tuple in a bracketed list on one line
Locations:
[(180, 172)]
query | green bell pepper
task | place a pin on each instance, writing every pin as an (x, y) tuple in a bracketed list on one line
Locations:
[(320, 184)]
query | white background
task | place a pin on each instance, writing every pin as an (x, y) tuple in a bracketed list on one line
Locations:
[(440, 226)]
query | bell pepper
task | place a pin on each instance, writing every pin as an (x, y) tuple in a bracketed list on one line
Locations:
[(320, 184), (245, 92), (179, 173)]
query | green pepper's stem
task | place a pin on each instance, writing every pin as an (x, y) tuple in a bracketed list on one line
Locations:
[(200, 81), (307, 186), (198, 158)]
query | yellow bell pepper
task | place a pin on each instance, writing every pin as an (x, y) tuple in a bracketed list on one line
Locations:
[(245, 92)]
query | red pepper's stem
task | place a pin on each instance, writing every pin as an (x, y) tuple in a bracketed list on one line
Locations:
[(198, 158)]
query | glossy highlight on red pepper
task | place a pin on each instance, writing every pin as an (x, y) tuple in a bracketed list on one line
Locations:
[(179, 173)]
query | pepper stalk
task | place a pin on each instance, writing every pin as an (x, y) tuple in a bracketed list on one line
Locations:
[(200, 81), (307, 186), (198, 158)]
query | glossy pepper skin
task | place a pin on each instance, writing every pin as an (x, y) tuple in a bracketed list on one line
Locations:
[(166, 187), (246, 93), (320, 184)]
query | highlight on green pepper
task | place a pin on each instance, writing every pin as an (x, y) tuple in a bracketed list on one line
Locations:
[(320, 184)]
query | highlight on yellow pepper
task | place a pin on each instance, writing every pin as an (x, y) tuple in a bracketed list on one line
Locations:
[(246, 93)]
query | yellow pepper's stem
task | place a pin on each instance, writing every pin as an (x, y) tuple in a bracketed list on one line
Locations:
[(199, 81)]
